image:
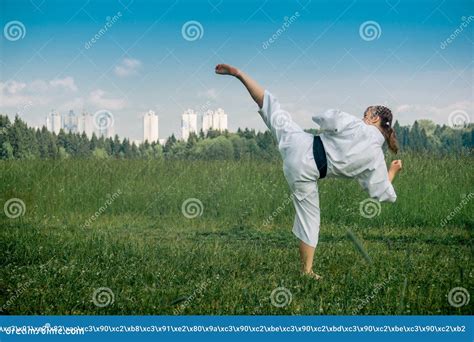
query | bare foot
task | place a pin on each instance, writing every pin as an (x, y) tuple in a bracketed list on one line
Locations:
[(226, 69), (312, 275)]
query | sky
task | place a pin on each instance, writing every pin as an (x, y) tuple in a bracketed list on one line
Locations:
[(416, 57)]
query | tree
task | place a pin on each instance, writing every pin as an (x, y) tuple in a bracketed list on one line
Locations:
[(135, 152), (201, 134), (238, 145), (94, 142), (62, 153), (18, 141), (23, 140), (126, 149), (41, 138), (6, 151), (169, 144), (214, 149), (428, 125), (100, 153), (83, 146), (116, 146), (416, 138), (53, 151)]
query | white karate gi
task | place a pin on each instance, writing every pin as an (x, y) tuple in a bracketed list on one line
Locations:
[(353, 150)]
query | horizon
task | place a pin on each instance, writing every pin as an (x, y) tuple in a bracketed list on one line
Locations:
[(424, 123), (414, 57)]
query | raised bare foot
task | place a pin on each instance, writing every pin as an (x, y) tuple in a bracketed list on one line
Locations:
[(226, 69)]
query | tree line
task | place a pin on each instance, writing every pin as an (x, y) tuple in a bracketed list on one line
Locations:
[(18, 141)]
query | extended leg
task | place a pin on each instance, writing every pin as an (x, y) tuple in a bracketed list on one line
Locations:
[(255, 90)]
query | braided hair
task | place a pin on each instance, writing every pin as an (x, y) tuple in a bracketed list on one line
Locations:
[(386, 118)]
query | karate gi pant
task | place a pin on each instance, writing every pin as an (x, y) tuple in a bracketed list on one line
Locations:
[(299, 168)]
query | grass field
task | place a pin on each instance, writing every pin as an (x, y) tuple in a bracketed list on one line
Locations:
[(230, 259)]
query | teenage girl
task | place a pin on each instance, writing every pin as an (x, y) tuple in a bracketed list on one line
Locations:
[(347, 147)]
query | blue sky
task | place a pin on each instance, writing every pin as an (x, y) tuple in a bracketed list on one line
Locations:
[(320, 61)]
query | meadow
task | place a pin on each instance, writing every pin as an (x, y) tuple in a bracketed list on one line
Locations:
[(112, 237)]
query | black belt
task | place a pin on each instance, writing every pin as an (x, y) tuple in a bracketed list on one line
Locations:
[(319, 154)]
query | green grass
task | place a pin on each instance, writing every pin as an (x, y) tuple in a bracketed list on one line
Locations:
[(228, 261)]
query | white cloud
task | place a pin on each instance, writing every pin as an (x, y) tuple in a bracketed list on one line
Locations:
[(12, 87), (16, 95), (44, 95), (439, 114), (99, 99), (38, 86), (208, 94), (77, 104), (403, 108), (66, 83), (127, 67)]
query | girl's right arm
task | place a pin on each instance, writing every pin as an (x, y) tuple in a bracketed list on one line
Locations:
[(255, 90)]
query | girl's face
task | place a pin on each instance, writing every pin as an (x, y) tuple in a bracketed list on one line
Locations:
[(370, 118)]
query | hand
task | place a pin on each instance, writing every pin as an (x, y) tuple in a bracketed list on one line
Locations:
[(396, 165), (225, 69)]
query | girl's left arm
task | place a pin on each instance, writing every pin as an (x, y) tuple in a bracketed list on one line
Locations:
[(395, 167)]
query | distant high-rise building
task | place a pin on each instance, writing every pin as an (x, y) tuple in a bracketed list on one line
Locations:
[(214, 120), (85, 124), (150, 126), (222, 119), (207, 120), (70, 122), (188, 123), (53, 122)]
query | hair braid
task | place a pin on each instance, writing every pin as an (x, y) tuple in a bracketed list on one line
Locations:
[(388, 132)]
